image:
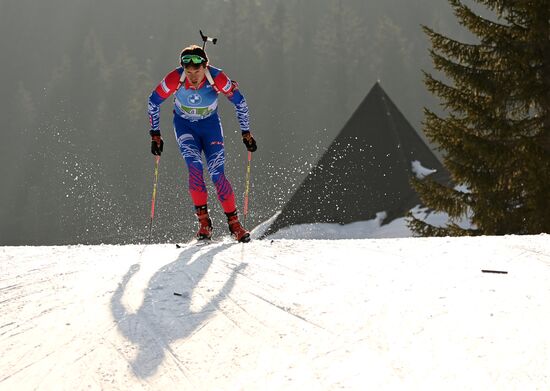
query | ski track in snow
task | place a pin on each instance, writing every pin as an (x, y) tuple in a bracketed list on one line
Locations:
[(278, 315)]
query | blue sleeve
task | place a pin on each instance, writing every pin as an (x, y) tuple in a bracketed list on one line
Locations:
[(153, 109), (241, 108)]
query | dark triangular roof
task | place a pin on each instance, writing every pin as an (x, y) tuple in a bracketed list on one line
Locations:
[(366, 170)]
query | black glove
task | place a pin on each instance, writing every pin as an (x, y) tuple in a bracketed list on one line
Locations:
[(157, 144), (249, 141)]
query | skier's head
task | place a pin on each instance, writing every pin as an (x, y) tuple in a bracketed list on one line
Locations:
[(193, 56), (194, 61)]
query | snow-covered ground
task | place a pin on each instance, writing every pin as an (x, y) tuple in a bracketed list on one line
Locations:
[(376, 314)]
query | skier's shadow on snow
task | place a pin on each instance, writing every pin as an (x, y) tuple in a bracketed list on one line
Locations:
[(164, 317)]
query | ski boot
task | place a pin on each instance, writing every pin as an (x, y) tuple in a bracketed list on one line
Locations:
[(236, 229), (205, 224)]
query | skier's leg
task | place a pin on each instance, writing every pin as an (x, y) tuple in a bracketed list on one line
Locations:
[(191, 150), (215, 159)]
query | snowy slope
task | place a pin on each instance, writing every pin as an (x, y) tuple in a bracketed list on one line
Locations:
[(278, 315)]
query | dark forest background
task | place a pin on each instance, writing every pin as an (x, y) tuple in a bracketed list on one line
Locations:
[(75, 163)]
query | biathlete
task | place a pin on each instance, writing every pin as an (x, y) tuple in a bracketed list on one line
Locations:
[(197, 125)]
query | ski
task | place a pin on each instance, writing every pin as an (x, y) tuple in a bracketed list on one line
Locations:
[(196, 242), (206, 242)]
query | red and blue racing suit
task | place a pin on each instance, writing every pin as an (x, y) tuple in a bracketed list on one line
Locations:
[(198, 128)]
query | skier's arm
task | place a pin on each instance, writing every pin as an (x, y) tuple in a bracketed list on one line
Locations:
[(241, 108), (231, 90), (166, 87)]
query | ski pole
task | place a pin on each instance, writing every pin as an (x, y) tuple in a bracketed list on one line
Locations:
[(155, 181), (247, 187)]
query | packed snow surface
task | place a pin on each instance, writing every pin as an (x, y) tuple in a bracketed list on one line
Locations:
[(376, 314)]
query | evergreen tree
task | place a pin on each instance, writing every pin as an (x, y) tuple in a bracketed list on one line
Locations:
[(496, 136)]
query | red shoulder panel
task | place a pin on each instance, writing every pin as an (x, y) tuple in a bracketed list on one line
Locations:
[(169, 84), (224, 84)]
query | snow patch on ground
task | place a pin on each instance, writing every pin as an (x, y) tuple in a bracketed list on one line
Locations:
[(420, 171), (371, 229)]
